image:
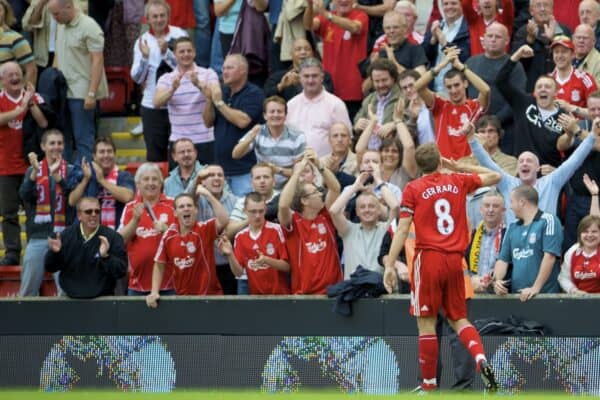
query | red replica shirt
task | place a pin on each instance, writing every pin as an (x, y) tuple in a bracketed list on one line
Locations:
[(342, 51), (437, 203), (182, 14), (142, 247), (585, 271), (192, 258), (449, 119), (263, 279), (576, 88), (313, 253), (477, 26), (12, 160)]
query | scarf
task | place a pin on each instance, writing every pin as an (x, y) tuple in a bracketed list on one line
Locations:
[(43, 208), (476, 246), (108, 214)]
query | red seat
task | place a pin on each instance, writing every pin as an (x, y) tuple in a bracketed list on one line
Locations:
[(120, 91), (133, 166), (10, 282)]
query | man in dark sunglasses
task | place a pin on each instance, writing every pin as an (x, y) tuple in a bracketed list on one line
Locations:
[(90, 256)]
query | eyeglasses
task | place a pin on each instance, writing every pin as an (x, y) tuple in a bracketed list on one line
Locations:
[(319, 190), (91, 211)]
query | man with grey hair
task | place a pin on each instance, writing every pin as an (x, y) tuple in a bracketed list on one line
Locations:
[(79, 55), (587, 57), (16, 100), (589, 14), (314, 110), (232, 111)]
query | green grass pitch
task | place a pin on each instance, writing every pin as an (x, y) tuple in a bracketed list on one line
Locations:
[(255, 395)]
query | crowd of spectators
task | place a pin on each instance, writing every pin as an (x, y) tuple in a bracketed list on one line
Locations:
[(287, 173)]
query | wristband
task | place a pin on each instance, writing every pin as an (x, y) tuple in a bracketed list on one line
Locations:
[(329, 16), (219, 103), (433, 72)]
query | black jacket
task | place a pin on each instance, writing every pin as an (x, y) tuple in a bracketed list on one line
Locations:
[(83, 273), (363, 283)]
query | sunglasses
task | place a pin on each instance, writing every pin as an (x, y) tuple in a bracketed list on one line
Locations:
[(91, 211)]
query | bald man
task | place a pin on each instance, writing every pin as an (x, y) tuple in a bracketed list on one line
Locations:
[(587, 57), (82, 63), (589, 14), (488, 64), (528, 166)]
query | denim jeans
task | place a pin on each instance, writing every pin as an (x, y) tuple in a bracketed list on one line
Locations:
[(242, 286), (32, 273), (84, 131), (216, 56), (240, 185), (202, 32)]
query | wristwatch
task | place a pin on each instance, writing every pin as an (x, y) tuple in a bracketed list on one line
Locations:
[(329, 16), (219, 103), (91, 94)]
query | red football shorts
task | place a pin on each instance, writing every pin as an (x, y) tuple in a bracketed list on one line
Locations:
[(438, 282)]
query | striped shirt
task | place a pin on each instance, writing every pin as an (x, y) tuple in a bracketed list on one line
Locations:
[(281, 151), (14, 47), (186, 106)]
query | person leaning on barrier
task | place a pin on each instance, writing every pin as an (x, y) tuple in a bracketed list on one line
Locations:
[(532, 245), (259, 251), (89, 256), (187, 249), (580, 271)]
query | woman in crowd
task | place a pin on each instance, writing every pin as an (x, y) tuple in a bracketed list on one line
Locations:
[(580, 271), (398, 164), (144, 221)]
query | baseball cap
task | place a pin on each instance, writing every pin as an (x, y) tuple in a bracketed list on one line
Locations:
[(564, 41)]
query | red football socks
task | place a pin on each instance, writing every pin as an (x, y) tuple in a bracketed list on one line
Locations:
[(472, 341), (428, 356)]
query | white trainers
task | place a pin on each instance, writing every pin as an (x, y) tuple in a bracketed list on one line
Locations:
[(137, 130)]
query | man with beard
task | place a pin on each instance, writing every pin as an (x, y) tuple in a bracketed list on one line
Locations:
[(183, 177)]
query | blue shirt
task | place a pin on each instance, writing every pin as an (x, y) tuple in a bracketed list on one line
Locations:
[(248, 100), (524, 246)]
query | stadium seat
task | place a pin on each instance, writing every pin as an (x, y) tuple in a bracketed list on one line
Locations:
[(10, 282), (120, 91)]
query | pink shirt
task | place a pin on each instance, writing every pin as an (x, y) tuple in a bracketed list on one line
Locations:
[(315, 116)]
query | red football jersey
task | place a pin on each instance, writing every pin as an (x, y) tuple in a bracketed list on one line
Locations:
[(12, 160), (263, 279), (437, 203), (576, 88), (449, 119), (312, 249), (142, 247), (192, 258), (342, 52), (585, 271)]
